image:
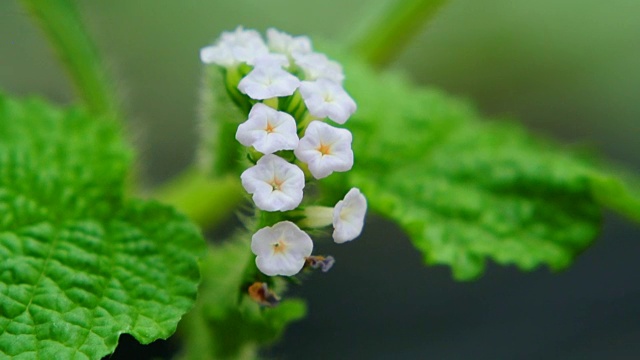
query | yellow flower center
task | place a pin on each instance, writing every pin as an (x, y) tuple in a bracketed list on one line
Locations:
[(324, 149), (270, 128), (276, 183), (279, 247)]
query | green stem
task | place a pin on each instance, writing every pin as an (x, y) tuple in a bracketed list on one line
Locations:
[(61, 22), (206, 201), (222, 112), (387, 34)]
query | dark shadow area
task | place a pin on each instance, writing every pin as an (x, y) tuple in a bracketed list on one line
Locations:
[(381, 302), (130, 349)]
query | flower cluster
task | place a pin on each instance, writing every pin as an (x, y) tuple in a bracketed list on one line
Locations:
[(292, 93)]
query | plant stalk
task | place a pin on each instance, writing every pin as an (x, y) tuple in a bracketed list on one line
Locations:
[(61, 22), (392, 29), (206, 201)]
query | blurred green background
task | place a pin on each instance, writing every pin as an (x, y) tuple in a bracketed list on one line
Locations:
[(569, 69)]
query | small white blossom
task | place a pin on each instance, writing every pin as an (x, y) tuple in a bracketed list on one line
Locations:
[(348, 216), (267, 81), (325, 149), (233, 48), (219, 54), (281, 249), (272, 59), (318, 66), (284, 43), (325, 98), (268, 130), (276, 185)]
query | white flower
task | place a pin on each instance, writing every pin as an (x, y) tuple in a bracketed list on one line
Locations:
[(268, 130), (325, 98), (348, 216), (276, 185), (281, 249), (284, 43), (271, 59), (219, 54), (234, 48), (318, 66), (325, 149), (268, 80)]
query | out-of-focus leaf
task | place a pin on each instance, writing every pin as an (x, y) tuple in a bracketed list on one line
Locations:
[(466, 189)]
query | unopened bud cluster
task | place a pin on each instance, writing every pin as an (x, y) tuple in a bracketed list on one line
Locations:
[(289, 92)]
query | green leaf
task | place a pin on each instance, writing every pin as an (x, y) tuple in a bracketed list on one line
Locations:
[(467, 190), (79, 263), (226, 324), (618, 190)]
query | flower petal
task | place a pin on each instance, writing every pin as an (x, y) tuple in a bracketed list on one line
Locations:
[(325, 149), (268, 130), (348, 216), (276, 185), (325, 98), (281, 249)]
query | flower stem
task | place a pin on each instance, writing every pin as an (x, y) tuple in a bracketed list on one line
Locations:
[(207, 201), (222, 112), (392, 29), (61, 22)]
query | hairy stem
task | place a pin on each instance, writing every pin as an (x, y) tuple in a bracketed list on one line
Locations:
[(392, 29), (61, 22), (222, 112), (207, 201)]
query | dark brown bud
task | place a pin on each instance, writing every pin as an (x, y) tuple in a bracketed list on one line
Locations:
[(260, 293)]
